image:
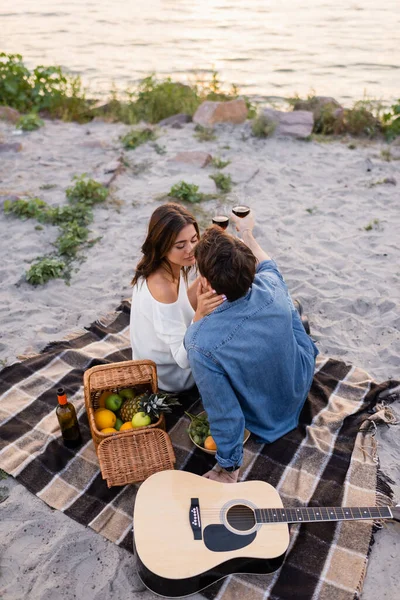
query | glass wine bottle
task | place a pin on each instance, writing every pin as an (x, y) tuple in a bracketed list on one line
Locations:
[(69, 425)]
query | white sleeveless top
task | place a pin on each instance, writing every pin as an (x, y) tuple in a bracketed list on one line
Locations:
[(157, 331)]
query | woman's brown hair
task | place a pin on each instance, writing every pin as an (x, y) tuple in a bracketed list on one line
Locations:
[(165, 224)]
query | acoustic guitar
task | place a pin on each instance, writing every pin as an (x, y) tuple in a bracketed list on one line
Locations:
[(190, 531)]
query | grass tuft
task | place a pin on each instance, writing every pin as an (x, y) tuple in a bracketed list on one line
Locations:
[(136, 137), (204, 134), (222, 181), (262, 126), (188, 192)]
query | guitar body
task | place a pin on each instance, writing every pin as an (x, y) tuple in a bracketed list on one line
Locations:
[(190, 531)]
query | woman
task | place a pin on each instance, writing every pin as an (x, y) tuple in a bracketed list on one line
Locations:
[(163, 305)]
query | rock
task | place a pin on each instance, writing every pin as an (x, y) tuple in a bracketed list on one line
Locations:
[(195, 159), (298, 124), (209, 113), (317, 104), (12, 147), (9, 114), (241, 170), (176, 121)]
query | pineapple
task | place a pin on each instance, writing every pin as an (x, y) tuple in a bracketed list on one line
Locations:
[(151, 404)]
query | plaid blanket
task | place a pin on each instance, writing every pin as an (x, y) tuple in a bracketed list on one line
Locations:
[(326, 461)]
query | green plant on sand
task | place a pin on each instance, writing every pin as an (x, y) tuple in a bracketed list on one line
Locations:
[(262, 126), (136, 137), (44, 269), (188, 192), (218, 163), (29, 122), (222, 181), (204, 134), (72, 219)]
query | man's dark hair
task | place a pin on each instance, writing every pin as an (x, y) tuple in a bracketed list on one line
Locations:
[(226, 262)]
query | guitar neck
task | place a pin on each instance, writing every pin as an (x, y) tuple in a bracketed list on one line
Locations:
[(328, 513)]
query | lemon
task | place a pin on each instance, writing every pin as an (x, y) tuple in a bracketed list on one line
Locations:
[(104, 418), (108, 430), (126, 426)]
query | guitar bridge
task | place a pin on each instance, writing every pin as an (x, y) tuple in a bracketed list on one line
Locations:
[(194, 518)]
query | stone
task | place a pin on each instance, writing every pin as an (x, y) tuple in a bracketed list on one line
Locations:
[(298, 124), (195, 159), (209, 113), (176, 121), (9, 114), (12, 147), (241, 170), (317, 104)]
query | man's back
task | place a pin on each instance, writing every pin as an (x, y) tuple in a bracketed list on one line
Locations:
[(252, 356)]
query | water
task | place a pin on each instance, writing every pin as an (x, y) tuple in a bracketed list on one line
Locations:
[(343, 48)]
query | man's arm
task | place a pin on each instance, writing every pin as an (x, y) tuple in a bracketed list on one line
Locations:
[(245, 227), (223, 409)]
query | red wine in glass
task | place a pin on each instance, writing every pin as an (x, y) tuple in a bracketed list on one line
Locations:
[(241, 210), (221, 220)]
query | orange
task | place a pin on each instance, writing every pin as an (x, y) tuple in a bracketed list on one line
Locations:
[(126, 426), (108, 430), (104, 418), (103, 398), (209, 443)]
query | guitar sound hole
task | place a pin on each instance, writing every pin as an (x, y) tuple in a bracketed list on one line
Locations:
[(241, 517)]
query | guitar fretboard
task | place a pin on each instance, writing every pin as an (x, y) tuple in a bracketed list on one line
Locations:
[(311, 514)]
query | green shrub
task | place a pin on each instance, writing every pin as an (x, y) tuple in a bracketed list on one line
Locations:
[(29, 122), (262, 126), (86, 191), (157, 100), (223, 182), (188, 192), (44, 269), (359, 120), (391, 120), (43, 89), (136, 137)]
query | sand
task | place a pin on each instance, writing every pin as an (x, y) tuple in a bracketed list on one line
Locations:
[(323, 212)]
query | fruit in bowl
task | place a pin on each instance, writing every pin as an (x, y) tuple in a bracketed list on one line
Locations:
[(200, 434)]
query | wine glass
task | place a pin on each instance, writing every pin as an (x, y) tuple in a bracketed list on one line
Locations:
[(221, 220), (241, 210)]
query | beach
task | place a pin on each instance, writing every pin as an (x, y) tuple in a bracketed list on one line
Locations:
[(327, 210)]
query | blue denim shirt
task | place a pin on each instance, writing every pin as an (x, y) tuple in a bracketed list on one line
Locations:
[(253, 364)]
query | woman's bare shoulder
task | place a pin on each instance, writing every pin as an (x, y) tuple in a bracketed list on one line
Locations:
[(162, 290)]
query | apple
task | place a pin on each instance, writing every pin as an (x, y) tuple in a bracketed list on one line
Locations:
[(140, 419), (127, 394), (114, 402)]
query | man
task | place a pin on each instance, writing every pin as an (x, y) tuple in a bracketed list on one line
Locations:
[(251, 358)]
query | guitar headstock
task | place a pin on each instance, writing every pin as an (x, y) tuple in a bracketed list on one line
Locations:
[(396, 512)]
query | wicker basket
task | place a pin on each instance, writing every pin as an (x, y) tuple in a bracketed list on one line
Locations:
[(133, 455)]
